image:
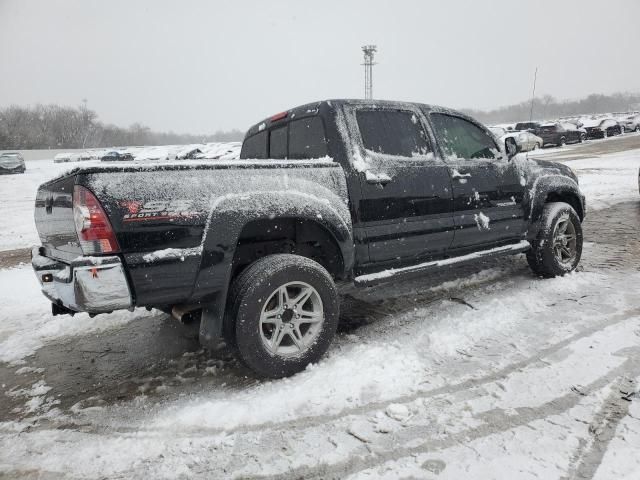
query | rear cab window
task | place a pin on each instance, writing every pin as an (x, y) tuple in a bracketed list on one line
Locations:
[(254, 146), (299, 139), (278, 142), (307, 139), (462, 139)]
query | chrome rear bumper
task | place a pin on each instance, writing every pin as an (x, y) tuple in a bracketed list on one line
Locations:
[(87, 284)]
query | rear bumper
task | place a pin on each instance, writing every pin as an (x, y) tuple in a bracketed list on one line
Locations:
[(595, 133), (87, 284), (16, 169)]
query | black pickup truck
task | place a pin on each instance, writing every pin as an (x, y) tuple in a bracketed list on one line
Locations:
[(349, 190)]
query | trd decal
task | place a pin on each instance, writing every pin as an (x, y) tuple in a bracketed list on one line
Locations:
[(158, 210)]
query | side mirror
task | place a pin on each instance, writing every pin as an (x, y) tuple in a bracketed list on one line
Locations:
[(511, 147)]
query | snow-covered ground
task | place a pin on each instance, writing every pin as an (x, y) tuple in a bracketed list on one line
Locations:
[(491, 374), (512, 384)]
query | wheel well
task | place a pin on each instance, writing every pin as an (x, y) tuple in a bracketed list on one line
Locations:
[(569, 198), (303, 237)]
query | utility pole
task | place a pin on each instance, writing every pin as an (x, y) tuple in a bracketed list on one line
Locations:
[(533, 94), (369, 51)]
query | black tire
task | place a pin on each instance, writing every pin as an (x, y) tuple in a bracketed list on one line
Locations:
[(583, 138), (563, 141), (256, 285), (638, 129), (543, 257), (536, 146)]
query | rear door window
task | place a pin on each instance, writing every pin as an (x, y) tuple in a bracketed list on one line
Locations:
[(392, 132), (307, 138), (278, 143), (253, 147), (461, 139)]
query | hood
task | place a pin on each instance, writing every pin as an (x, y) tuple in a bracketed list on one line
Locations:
[(555, 167)]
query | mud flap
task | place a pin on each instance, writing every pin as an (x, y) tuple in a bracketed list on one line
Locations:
[(211, 321)]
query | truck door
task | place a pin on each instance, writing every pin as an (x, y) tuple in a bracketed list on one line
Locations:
[(405, 204), (487, 188)]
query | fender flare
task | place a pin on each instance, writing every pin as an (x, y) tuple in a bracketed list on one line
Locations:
[(545, 185), (230, 213)]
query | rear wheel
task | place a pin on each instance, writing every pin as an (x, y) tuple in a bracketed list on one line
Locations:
[(638, 129), (563, 141), (536, 146), (282, 314), (558, 247), (583, 138)]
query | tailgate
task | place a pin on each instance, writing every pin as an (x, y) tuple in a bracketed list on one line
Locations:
[(54, 219)]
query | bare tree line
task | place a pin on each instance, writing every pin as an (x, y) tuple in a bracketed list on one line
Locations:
[(55, 126), (548, 107)]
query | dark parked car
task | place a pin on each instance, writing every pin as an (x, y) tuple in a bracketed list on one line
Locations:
[(116, 156), (349, 190), (12, 162), (528, 126), (603, 128), (560, 133)]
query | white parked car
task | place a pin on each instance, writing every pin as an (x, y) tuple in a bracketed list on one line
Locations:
[(632, 123), (526, 141)]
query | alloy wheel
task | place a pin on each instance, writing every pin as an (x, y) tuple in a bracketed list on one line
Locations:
[(565, 240), (291, 319)]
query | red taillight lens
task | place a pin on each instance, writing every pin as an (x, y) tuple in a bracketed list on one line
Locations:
[(92, 224)]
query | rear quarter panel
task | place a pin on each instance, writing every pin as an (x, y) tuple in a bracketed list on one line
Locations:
[(178, 227)]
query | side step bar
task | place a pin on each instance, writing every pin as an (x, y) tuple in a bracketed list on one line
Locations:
[(415, 270)]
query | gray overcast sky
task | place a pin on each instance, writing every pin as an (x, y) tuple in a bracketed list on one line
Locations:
[(198, 66)]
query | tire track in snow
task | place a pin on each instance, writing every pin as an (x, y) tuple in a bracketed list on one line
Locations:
[(497, 421), (588, 457), (449, 389)]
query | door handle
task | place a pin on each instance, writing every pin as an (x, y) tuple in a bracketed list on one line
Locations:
[(377, 178), (455, 174)]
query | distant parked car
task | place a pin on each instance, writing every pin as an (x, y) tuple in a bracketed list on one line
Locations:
[(11, 162), (62, 158), (525, 140), (116, 156), (603, 128), (632, 123), (560, 133), (529, 126)]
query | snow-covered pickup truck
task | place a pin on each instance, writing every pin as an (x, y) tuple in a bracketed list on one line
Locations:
[(350, 190)]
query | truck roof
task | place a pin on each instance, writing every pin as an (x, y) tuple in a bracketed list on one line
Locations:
[(313, 108)]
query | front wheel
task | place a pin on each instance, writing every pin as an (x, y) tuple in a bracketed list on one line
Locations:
[(282, 314), (563, 142), (558, 246), (638, 129)]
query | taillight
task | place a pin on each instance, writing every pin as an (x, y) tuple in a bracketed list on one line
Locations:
[(92, 224)]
